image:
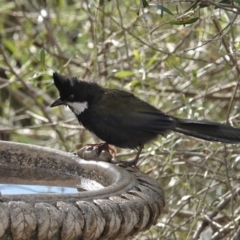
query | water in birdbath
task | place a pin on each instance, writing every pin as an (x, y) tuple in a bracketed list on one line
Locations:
[(34, 189)]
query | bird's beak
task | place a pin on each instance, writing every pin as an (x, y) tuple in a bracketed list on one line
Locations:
[(57, 102)]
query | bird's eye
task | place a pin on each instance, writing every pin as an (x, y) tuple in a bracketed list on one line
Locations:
[(71, 97)]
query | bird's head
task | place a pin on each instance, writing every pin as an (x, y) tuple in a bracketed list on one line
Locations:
[(74, 93)]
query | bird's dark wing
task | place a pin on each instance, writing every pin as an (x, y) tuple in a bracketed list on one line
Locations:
[(125, 111)]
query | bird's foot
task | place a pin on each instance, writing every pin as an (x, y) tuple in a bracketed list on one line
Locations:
[(103, 152), (131, 163), (92, 152), (103, 147)]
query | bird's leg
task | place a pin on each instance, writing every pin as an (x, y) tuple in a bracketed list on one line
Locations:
[(138, 155), (134, 161), (103, 146)]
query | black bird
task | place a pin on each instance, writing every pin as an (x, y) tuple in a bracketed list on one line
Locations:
[(121, 119)]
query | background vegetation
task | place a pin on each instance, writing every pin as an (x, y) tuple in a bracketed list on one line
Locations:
[(180, 56)]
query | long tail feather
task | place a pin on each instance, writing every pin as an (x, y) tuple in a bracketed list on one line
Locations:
[(210, 131)]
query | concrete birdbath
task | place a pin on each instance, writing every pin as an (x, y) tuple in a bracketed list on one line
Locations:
[(111, 202)]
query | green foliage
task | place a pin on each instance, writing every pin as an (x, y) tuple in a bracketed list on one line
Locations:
[(161, 8), (124, 74), (185, 21)]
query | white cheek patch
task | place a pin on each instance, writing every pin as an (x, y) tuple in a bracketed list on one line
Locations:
[(78, 107)]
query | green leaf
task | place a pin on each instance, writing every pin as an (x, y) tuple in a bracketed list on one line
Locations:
[(137, 55), (152, 60), (10, 46), (132, 84), (42, 58), (161, 8), (184, 21), (193, 7), (124, 74), (195, 78), (225, 1), (144, 3), (175, 64)]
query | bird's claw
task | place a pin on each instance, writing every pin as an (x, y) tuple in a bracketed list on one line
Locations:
[(103, 152), (91, 152)]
